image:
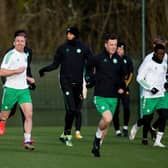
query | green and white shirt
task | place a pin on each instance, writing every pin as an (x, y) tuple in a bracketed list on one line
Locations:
[(13, 60), (152, 74)]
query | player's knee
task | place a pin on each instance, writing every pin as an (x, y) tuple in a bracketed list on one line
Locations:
[(4, 116)]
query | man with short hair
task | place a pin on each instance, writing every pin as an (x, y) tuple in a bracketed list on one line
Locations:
[(125, 97), (32, 86), (72, 57), (16, 87), (152, 78), (109, 77)]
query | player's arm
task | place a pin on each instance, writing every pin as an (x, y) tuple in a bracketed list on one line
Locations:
[(55, 64), (130, 75), (29, 60), (7, 72), (90, 71), (142, 72)]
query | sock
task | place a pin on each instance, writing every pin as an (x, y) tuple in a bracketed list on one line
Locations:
[(125, 127), (99, 133), (118, 132), (159, 137), (153, 129), (27, 137), (77, 131)]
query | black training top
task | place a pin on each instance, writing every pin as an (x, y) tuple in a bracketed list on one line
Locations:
[(71, 56), (110, 74), (129, 65)]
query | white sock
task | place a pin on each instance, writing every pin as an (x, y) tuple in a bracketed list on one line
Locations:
[(99, 133), (118, 132), (153, 129), (159, 137), (27, 137), (77, 131), (125, 127)]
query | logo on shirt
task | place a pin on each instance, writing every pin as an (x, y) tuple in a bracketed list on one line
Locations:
[(102, 108), (105, 60), (6, 107), (148, 110), (115, 61), (67, 49), (125, 61), (78, 50), (67, 93)]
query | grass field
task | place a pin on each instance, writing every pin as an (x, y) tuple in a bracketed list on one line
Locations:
[(51, 153)]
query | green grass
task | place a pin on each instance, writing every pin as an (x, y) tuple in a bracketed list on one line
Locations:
[(51, 153)]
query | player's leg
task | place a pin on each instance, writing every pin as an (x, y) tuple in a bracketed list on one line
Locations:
[(102, 126), (9, 99), (13, 110), (147, 122), (28, 113), (139, 123), (106, 108), (78, 115), (126, 109), (3, 117), (148, 107), (116, 119), (135, 128), (25, 102), (154, 127), (69, 101), (163, 115)]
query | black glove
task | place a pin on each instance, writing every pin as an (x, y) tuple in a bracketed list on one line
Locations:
[(90, 81), (32, 86), (166, 86), (154, 90), (90, 85), (41, 73)]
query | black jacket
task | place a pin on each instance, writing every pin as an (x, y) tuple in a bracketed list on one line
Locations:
[(72, 57), (110, 74)]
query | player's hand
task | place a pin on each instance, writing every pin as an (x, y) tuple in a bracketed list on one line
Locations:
[(89, 85), (120, 91), (41, 73), (90, 81), (154, 90), (32, 86)]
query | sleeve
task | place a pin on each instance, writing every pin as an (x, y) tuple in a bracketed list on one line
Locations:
[(142, 72), (7, 60), (130, 72), (29, 60), (56, 62), (123, 74), (90, 71)]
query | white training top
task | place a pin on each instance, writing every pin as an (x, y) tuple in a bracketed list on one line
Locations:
[(152, 74), (13, 60)]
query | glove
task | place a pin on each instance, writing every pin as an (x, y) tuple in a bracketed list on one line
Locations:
[(166, 86), (90, 85), (90, 81), (41, 73), (154, 90), (32, 86)]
